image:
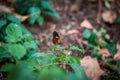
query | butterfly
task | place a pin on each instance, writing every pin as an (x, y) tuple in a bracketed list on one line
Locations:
[(56, 38)]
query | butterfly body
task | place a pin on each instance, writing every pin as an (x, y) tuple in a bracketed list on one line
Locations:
[(56, 38)]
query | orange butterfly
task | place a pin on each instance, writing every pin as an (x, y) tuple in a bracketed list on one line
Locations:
[(56, 38)]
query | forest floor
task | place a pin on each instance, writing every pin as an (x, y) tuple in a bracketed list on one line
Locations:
[(73, 13), (69, 28)]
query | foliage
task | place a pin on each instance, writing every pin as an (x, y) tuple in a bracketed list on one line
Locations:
[(77, 49), (19, 58), (21, 61), (5, 19), (96, 40), (35, 9)]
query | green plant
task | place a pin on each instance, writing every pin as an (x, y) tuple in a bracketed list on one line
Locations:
[(21, 61), (35, 9), (19, 57), (96, 40)]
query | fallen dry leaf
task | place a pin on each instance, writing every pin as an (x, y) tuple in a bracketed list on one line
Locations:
[(117, 55), (91, 68), (6, 9), (52, 26), (104, 52), (118, 46), (74, 8), (107, 36), (85, 42), (86, 24), (22, 18), (74, 31), (109, 16)]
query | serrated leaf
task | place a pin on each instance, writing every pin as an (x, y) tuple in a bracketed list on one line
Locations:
[(13, 32), (79, 71), (77, 49), (40, 20), (34, 14), (12, 18), (16, 50), (2, 23), (7, 67), (86, 34)]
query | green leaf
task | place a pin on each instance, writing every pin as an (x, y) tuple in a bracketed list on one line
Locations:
[(79, 71), (16, 50), (102, 44), (95, 53), (22, 71), (112, 48), (46, 5), (13, 32), (86, 34), (107, 4), (30, 45), (77, 49), (34, 14), (42, 58), (93, 39), (2, 23), (26, 32), (118, 19), (21, 8), (101, 32), (56, 47), (4, 54), (40, 20), (68, 26), (7, 67), (49, 10), (12, 18), (52, 13), (72, 59)]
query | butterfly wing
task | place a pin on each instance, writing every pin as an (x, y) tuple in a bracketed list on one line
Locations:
[(56, 38)]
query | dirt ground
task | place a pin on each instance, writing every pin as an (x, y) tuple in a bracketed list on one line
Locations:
[(68, 27)]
